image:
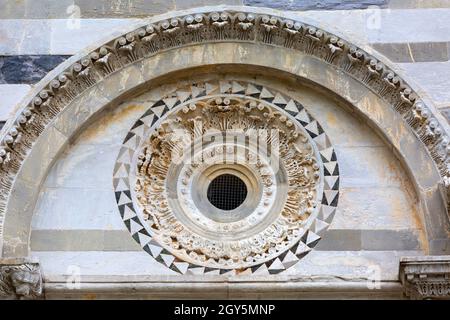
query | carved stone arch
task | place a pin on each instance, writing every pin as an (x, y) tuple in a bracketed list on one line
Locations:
[(69, 97)]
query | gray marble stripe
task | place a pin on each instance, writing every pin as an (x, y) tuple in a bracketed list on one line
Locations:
[(120, 240), (83, 240), (372, 240)]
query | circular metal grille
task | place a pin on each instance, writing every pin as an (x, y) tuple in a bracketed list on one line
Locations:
[(227, 192)]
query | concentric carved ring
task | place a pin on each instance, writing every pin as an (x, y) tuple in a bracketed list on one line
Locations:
[(262, 138)]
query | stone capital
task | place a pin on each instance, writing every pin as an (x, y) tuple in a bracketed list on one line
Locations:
[(20, 279), (426, 277)]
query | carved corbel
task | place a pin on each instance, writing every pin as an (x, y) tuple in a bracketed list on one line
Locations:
[(426, 278), (20, 279)]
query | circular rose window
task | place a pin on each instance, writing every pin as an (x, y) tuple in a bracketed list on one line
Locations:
[(226, 177)]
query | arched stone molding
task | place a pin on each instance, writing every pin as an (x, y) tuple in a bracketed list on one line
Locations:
[(212, 36)]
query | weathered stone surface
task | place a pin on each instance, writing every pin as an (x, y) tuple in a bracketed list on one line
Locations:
[(433, 78), (27, 69), (316, 4), (11, 95), (414, 52)]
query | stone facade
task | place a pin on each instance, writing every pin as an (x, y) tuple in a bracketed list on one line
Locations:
[(108, 166)]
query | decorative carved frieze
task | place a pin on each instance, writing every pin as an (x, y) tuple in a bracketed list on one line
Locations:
[(232, 25), (201, 130), (426, 277), (20, 279)]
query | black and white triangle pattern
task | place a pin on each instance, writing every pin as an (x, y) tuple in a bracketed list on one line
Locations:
[(141, 231)]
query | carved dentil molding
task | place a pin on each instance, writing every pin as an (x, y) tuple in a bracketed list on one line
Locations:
[(426, 277), (20, 279), (243, 25)]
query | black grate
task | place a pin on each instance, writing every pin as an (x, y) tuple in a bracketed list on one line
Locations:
[(227, 192)]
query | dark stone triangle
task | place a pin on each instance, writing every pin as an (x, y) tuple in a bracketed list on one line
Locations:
[(147, 249), (320, 129), (137, 124), (155, 118), (333, 156), (158, 103), (207, 269), (281, 105), (117, 194), (136, 237), (222, 271), (336, 170), (268, 99), (312, 134), (129, 136), (335, 201)]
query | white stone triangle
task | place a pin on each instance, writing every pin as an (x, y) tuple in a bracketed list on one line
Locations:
[(251, 89), (143, 238), (303, 116), (330, 195), (121, 185), (320, 225), (266, 93), (312, 127), (148, 119), (279, 99), (302, 248), (210, 88), (133, 142), (125, 157), (262, 270), (123, 199), (128, 214), (158, 111), (196, 91), (327, 153), (291, 106), (168, 259), (277, 265), (135, 227), (322, 141), (183, 95), (155, 250), (139, 131), (330, 181), (225, 86), (290, 259), (236, 87), (182, 266), (331, 166), (326, 212), (121, 171), (170, 102), (311, 237)]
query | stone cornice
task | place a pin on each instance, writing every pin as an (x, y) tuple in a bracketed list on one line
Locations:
[(426, 277), (207, 25), (20, 279)]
